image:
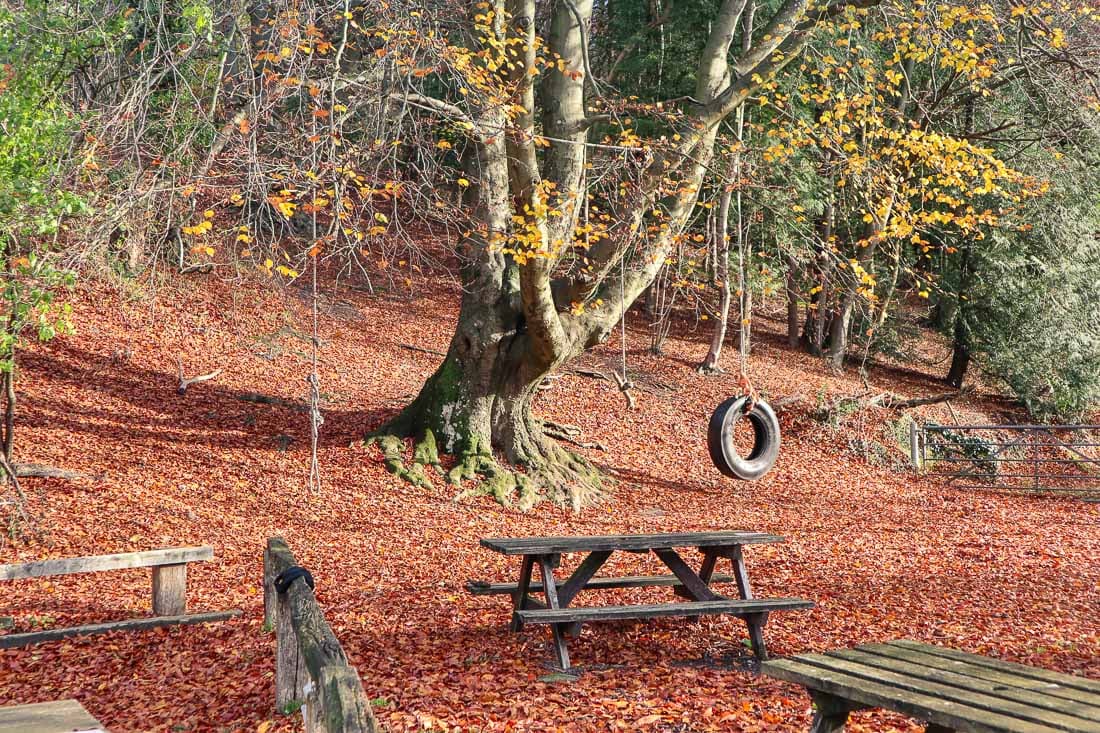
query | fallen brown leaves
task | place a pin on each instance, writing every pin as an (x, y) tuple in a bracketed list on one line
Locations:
[(884, 554)]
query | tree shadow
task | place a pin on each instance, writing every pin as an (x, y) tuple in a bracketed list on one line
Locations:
[(208, 414)]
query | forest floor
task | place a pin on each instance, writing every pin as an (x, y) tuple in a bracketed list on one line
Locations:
[(884, 553)]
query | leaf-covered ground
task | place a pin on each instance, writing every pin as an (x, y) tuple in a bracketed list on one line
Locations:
[(884, 554)]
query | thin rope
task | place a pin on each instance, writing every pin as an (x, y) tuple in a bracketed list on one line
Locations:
[(315, 417), (743, 341)]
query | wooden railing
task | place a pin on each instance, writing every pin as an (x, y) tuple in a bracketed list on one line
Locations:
[(311, 669)]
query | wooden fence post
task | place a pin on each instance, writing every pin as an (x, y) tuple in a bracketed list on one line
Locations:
[(914, 445), (311, 667)]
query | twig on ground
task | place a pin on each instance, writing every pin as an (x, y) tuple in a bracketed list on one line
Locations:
[(187, 382)]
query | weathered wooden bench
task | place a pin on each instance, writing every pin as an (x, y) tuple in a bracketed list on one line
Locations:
[(169, 577), (63, 716), (949, 689), (695, 587)]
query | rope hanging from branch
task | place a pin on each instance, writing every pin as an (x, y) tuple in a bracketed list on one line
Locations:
[(314, 397)]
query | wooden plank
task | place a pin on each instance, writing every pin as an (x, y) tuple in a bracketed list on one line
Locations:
[(901, 680), (932, 668), (957, 716), (617, 613), (481, 588), (1009, 679), (11, 641), (635, 542), (1046, 675), (62, 716), (97, 563), (740, 572), (341, 706), (520, 595), (562, 651)]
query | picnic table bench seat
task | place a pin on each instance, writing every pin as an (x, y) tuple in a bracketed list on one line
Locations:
[(695, 586), (950, 689), (732, 607)]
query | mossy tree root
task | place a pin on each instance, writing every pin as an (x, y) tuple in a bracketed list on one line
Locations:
[(547, 471)]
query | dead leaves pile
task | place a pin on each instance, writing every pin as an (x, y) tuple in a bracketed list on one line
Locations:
[(885, 554)]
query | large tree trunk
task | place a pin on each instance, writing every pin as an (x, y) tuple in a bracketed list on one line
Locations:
[(520, 318)]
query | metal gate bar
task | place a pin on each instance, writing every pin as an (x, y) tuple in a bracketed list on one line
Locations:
[(998, 457)]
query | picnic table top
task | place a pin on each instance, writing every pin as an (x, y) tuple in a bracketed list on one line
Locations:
[(948, 687), (629, 542)]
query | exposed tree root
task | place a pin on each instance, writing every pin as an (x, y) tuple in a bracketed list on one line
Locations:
[(548, 470)]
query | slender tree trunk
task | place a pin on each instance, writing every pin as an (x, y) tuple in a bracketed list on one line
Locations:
[(791, 290), (722, 277), (960, 356), (710, 364), (849, 295)]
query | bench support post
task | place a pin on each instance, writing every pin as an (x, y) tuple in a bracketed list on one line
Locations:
[(831, 713), (170, 590), (755, 622)]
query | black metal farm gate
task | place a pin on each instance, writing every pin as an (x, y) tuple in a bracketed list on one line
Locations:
[(1062, 459)]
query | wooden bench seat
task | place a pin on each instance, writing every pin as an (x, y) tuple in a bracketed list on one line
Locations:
[(63, 716), (732, 607), (169, 587), (481, 588)]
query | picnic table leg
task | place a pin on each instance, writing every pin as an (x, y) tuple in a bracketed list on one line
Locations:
[(551, 589), (519, 598), (755, 621), (706, 572), (740, 572), (831, 713)]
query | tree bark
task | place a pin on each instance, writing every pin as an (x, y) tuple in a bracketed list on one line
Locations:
[(960, 362), (742, 12)]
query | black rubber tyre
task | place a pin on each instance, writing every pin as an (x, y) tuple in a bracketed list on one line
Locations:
[(765, 448)]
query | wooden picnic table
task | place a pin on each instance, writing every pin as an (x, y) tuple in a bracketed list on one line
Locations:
[(949, 689), (694, 586)]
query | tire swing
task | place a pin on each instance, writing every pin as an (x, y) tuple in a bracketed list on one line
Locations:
[(766, 438), (723, 423)]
